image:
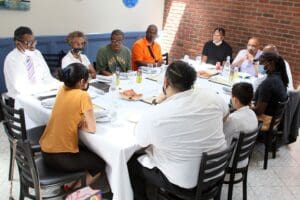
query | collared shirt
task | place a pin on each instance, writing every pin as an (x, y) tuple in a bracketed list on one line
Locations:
[(140, 52), (16, 75), (247, 66), (179, 130), (242, 120), (69, 59)]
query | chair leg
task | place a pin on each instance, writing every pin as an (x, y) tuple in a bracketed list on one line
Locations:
[(245, 186), (218, 196), (274, 145), (230, 186), (10, 165), (21, 197), (267, 146)]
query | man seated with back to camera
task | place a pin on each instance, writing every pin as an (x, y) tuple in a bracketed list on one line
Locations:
[(243, 119), (113, 55), (186, 122), (216, 50), (25, 69)]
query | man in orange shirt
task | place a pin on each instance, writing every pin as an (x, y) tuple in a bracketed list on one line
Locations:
[(146, 51)]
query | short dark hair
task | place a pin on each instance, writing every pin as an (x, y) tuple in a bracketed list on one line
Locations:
[(73, 73), (116, 32), (221, 30), (20, 31), (181, 75), (243, 91)]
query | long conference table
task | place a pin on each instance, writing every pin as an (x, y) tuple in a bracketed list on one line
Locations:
[(114, 142)]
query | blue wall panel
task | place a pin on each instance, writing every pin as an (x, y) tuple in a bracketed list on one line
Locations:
[(54, 44)]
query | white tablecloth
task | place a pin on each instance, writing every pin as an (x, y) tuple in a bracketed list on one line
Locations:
[(115, 143)]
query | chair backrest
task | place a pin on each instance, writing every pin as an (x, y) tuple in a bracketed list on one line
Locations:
[(212, 172), (54, 61), (166, 58), (278, 114), (15, 121), (245, 145), (27, 168)]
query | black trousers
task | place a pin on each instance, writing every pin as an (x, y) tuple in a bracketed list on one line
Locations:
[(73, 162), (141, 176)]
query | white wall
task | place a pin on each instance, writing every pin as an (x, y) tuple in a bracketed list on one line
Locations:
[(59, 17)]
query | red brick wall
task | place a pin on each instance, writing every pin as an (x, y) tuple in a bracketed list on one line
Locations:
[(273, 21)]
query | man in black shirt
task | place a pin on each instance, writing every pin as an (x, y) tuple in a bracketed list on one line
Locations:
[(217, 49)]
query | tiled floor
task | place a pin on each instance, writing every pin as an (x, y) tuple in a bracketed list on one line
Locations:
[(281, 181)]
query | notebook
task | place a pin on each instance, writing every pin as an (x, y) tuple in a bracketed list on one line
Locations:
[(101, 86)]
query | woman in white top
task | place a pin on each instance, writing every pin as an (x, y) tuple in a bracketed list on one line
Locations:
[(77, 41)]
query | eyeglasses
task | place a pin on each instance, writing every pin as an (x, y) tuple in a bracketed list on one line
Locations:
[(117, 41), (29, 43)]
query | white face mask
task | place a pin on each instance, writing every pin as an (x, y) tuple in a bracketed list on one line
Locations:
[(218, 43), (29, 53)]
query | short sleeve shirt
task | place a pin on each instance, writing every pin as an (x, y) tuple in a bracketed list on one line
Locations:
[(271, 91), (216, 53), (109, 60), (140, 52), (61, 133)]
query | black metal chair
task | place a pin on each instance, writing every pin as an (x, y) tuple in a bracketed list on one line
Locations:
[(15, 121), (54, 61), (243, 151), (35, 174), (210, 178), (270, 136), (166, 58)]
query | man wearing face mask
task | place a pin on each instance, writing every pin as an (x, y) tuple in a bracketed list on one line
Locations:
[(77, 42), (245, 60), (113, 55), (217, 49), (146, 51), (25, 70), (262, 72), (186, 122)]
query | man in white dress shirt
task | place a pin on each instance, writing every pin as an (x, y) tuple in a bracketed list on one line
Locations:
[(25, 70), (245, 58), (243, 119), (176, 132)]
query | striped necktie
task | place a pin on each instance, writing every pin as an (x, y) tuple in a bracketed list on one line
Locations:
[(30, 69)]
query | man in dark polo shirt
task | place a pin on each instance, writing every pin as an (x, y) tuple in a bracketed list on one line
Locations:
[(216, 50)]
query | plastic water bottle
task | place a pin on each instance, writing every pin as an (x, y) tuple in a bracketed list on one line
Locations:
[(117, 76), (231, 74), (113, 85), (226, 68)]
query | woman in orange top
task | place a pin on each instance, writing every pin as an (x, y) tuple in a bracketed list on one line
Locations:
[(72, 110)]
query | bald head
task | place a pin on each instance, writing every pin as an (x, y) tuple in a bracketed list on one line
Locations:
[(151, 33), (253, 45), (271, 48)]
